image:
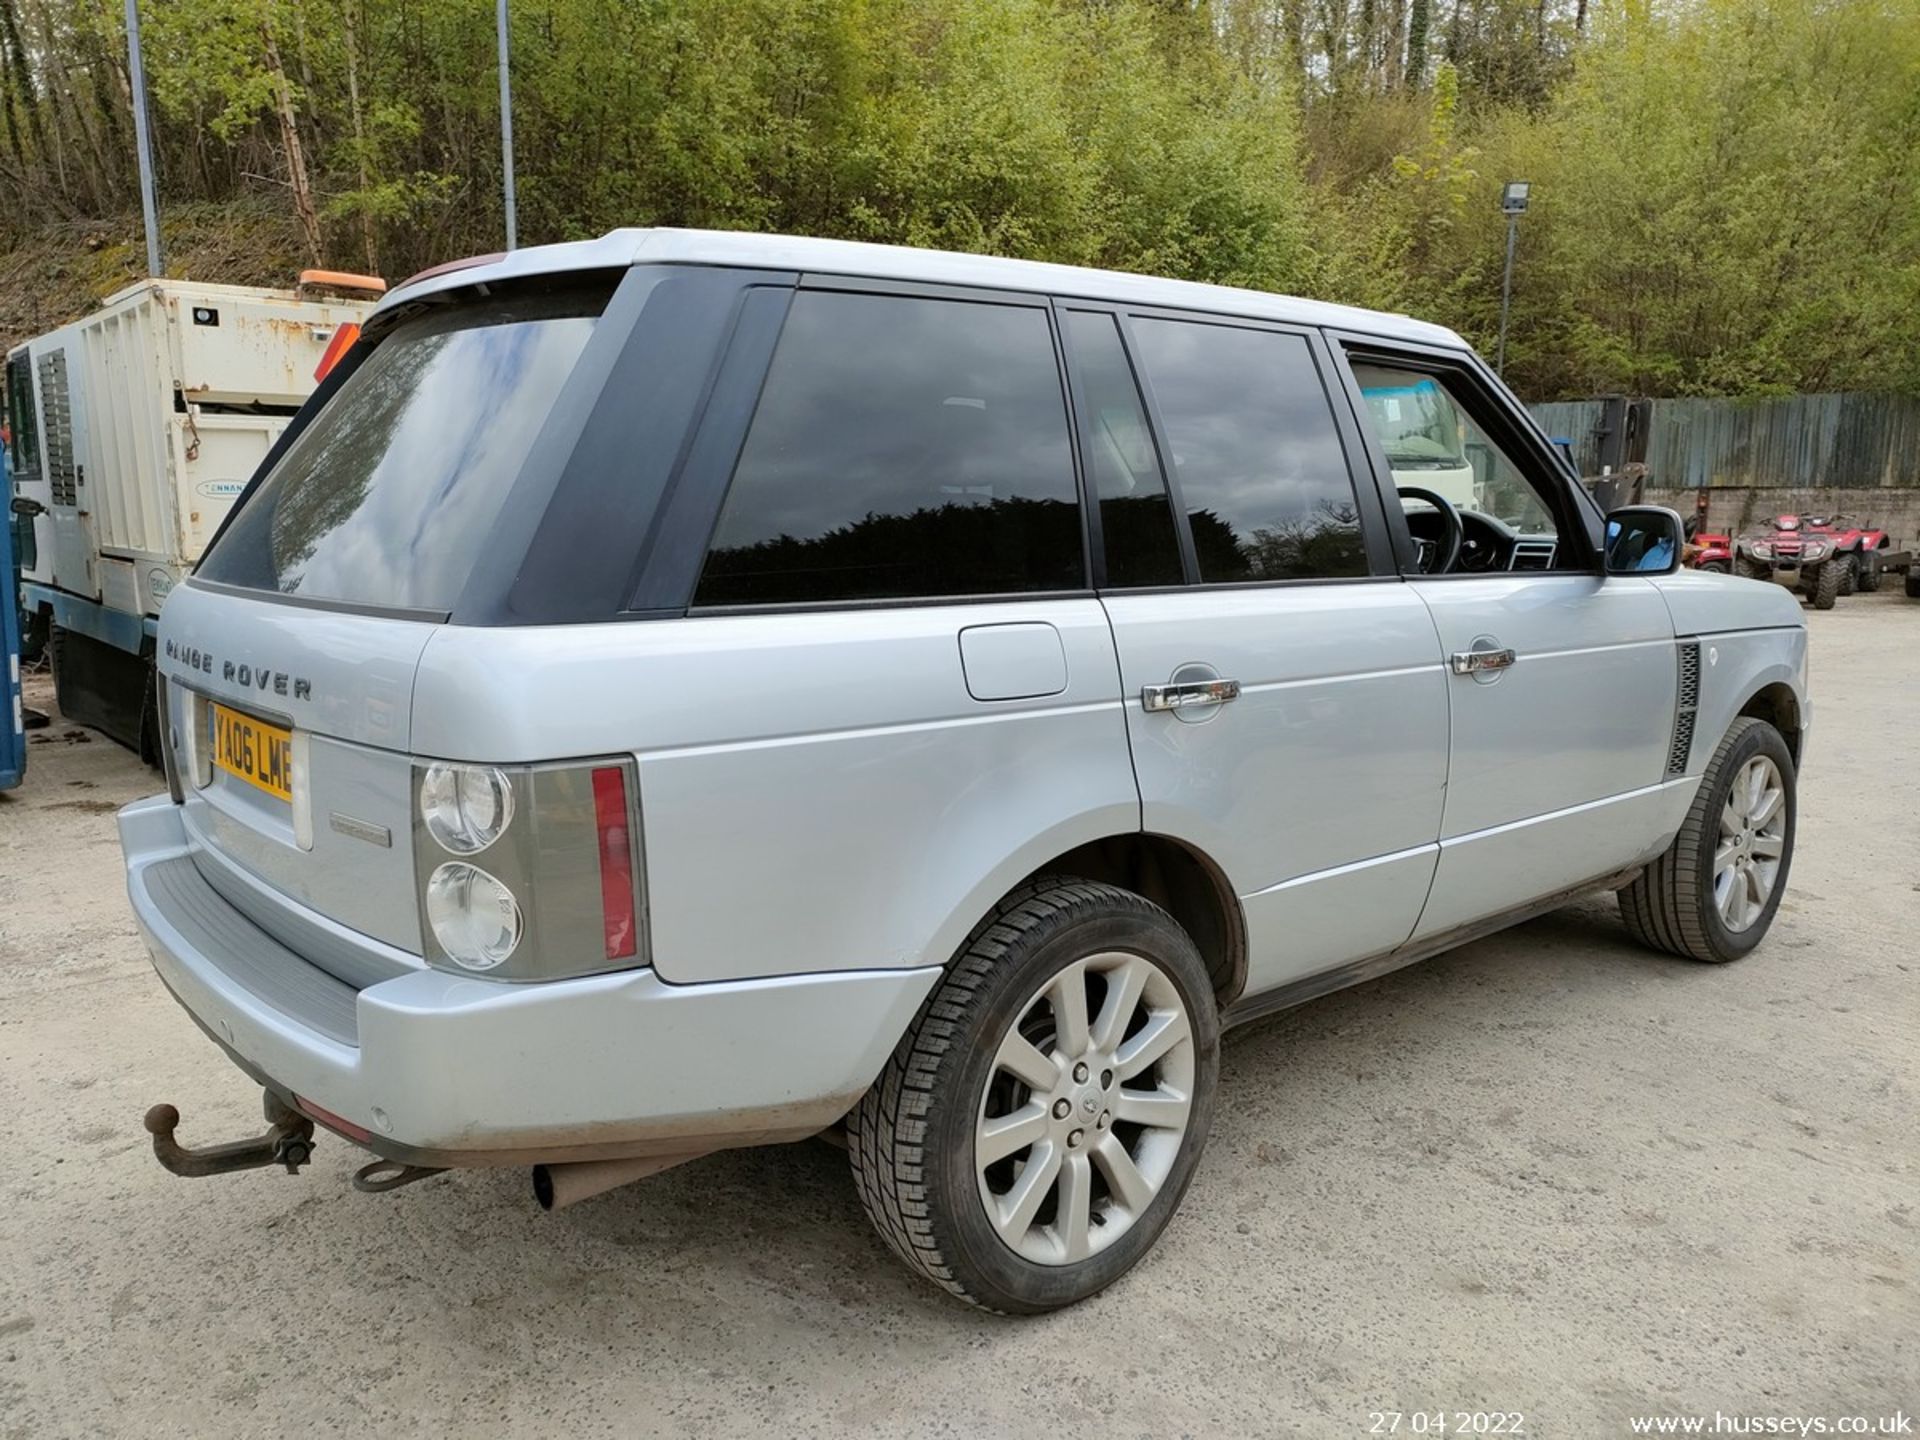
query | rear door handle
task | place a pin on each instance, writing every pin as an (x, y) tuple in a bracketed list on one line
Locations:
[(1196, 692), (1473, 662)]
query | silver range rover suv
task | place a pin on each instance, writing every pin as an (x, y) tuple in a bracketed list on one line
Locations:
[(686, 690)]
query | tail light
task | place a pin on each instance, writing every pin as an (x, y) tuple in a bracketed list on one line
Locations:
[(528, 872), (616, 861)]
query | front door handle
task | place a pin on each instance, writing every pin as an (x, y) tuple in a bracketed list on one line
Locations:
[(1196, 692), (1474, 662)]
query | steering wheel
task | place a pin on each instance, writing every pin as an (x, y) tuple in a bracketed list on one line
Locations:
[(1437, 561)]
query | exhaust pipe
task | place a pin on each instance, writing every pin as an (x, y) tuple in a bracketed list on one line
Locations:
[(558, 1186)]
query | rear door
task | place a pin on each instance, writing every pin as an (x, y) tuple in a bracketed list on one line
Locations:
[(1283, 692), (894, 693), (1558, 753)]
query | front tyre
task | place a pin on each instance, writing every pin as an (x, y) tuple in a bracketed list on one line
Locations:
[(1824, 588), (1714, 892), (1041, 1119)]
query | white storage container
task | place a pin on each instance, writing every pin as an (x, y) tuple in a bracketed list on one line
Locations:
[(134, 429), (153, 412)]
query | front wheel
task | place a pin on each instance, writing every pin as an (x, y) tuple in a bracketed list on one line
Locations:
[(1040, 1120), (1714, 892), (1824, 588)]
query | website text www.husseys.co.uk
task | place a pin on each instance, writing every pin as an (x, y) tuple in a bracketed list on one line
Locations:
[(1721, 1423)]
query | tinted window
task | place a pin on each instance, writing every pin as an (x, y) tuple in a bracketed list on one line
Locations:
[(1136, 520), (1261, 470), (902, 447), (388, 495)]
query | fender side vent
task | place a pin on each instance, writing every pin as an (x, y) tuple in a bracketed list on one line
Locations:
[(1686, 705)]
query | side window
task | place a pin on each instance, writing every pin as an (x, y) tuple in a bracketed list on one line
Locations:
[(1136, 516), (23, 425), (1256, 451), (903, 447), (1433, 443)]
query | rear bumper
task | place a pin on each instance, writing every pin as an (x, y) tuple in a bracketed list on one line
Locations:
[(441, 1069)]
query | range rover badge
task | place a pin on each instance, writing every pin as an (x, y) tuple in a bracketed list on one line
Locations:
[(360, 829)]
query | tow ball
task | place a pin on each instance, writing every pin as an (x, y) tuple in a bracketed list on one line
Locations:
[(288, 1142)]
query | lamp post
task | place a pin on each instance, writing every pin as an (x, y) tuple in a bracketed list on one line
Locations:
[(1513, 204), (506, 127), (143, 143)]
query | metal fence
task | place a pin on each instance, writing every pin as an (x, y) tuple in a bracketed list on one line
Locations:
[(1845, 441)]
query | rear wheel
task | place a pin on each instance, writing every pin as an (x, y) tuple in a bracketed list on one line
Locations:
[(1913, 583), (1824, 588), (1714, 892), (1041, 1119), (1868, 579), (1718, 567), (1849, 574)]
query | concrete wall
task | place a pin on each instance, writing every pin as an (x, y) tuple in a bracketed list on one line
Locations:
[(1735, 508)]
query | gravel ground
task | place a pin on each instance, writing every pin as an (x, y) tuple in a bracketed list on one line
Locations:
[(1547, 1173)]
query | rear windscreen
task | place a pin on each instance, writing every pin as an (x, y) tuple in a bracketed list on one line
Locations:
[(387, 496)]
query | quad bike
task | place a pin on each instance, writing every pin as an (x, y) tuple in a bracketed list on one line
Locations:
[(1822, 556), (1710, 551)]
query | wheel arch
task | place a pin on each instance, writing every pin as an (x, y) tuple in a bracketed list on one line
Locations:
[(1180, 878), (1778, 705)]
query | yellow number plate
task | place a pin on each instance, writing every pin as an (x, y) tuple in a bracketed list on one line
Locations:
[(259, 753)]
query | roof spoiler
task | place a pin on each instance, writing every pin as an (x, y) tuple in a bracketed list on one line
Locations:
[(451, 265)]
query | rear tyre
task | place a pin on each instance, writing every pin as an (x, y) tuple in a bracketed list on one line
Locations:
[(1913, 583), (1717, 567), (1868, 579), (1825, 588), (1713, 894), (1849, 574), (1041, 1118)]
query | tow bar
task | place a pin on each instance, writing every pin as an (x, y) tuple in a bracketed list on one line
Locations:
[(288, 1142)]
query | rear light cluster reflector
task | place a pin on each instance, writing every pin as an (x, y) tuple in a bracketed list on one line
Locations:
[(529, 872)]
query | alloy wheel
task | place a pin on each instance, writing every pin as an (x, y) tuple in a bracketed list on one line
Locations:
[(1085, 1108), (1753, 828)]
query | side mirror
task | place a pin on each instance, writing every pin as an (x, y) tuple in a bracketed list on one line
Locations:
[(1644, 540), (27, 506)]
